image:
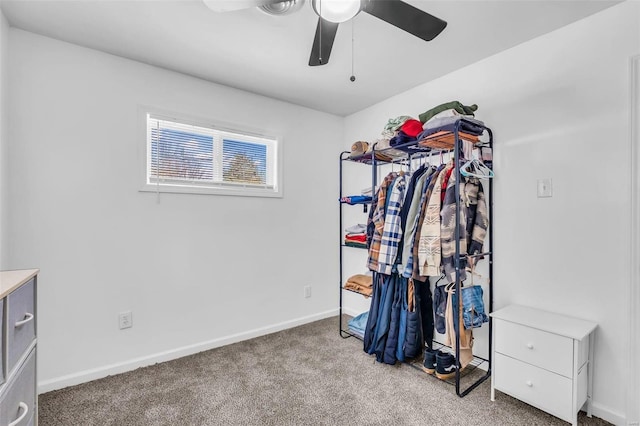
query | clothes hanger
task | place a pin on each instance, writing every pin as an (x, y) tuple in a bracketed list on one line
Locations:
[(472, 270), (479, 169)]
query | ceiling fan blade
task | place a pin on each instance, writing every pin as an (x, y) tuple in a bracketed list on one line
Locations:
[(406, 17), (232, 5), (323, 42)]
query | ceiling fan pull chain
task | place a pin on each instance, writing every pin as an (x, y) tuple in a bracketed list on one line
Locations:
[(353, 75), (320, 29)]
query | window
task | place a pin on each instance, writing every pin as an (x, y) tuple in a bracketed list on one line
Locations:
[(184, 156)]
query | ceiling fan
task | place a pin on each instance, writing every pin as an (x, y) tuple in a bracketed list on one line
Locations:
[(332, 12)]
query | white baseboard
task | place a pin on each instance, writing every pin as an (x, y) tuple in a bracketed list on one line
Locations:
[(350, 311), (607, 414), (132, 364)]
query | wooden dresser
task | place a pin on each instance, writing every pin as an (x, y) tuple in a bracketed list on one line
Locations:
[(544, 359), (18, 397)]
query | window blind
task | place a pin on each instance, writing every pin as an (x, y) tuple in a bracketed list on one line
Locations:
[(194, 155)]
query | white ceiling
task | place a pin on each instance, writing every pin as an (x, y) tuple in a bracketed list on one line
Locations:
[(268, 55)]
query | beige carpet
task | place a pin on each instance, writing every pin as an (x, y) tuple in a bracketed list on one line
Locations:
[(304, 376)]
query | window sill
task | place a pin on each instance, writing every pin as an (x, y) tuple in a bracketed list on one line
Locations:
[(185, 189)]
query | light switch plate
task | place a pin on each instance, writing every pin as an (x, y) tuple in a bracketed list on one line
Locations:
[(545, 188)]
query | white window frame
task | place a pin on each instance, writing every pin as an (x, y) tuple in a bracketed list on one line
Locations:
[(242, 133)]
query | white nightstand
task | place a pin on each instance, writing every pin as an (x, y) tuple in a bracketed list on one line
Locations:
[(544, 359)]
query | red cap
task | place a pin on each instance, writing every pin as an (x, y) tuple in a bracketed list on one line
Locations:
[(412, 128)]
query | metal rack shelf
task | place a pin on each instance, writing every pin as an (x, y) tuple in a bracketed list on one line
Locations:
[(472, 375)]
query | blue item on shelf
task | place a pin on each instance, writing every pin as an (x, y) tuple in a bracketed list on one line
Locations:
[(359, 323), (356, 199)]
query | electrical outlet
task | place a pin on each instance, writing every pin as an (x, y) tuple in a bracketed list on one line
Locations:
[(125, 319), (307, 291)]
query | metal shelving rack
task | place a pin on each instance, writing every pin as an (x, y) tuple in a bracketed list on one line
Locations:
[(414, 150)]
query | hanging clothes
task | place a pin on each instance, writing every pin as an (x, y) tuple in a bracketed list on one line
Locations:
[(411, 237), (424, 300), (429, 250), (413, 210), (393, 337), (413, 268), (372, 320), (472, 224), (413, 342), (453, 317), (402, 323), (375, 224), (383, 322), (448, 232), (477, 215), (391, 232)]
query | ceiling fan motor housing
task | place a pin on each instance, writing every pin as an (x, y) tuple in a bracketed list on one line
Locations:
[(282, 8)]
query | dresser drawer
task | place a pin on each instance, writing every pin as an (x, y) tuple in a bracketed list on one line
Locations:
[(533, 385), (18, 400), (539, 348), (21, 330)]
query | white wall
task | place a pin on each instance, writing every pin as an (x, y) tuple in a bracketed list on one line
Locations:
[(4, 140), (559, 108), (197, 271)]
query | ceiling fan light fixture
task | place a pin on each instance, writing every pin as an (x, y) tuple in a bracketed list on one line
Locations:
[(336, 10), (281, 8)]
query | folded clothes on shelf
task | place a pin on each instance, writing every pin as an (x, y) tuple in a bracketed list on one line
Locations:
[(358, 324), (360, 283), (401, 138), (467, 125), (393, 124), (356, 238), (356, 229), (455, 105), (355, 244), (356, 199)]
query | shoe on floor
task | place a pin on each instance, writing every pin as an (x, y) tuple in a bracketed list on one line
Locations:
[(429, 365), (445, 366)]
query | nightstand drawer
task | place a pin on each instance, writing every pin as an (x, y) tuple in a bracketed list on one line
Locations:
[(21, 330), (19, 400), (536, 386), (539, 348)]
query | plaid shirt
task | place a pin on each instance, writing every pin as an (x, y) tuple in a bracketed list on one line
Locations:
[(392, 231), (375, 224)]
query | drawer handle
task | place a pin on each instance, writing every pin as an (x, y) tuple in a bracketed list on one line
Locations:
[(530, 345), (529, 383), (27, 317), (24, 407)]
